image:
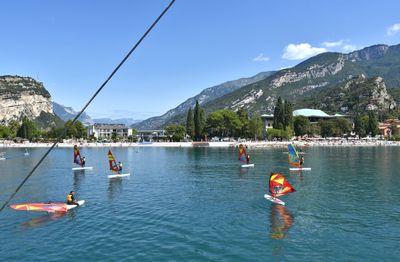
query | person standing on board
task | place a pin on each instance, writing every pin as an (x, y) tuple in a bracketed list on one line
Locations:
[(301, 162), (119, 167), (71, 199), (248, 158)]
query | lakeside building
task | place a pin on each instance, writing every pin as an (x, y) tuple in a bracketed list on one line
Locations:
[(151, 135), (313, 115), (106, 131), (388, 127)]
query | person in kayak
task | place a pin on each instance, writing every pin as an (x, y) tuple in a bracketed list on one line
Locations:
[(71, 199)]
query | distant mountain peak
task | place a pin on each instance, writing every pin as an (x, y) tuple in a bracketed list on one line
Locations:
[(68, 113), (203, 97)]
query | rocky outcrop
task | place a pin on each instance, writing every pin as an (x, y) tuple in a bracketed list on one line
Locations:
[(22, 97), (359, 94)]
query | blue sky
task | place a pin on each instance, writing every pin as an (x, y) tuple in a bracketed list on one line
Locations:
[(72, 46)]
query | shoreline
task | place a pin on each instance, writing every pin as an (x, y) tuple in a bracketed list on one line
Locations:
[(251, 144)]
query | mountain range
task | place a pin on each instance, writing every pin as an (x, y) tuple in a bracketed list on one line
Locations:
[(366, 79), (203, 97), (307, 79)]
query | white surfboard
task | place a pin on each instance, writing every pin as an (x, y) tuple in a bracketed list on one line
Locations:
[(83, 168), (248, 165), (300, 168), (274, 199), (118, 175), (80, 202), (2, 158)]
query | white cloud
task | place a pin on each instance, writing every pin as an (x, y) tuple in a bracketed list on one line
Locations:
[(301, 51), (349, 48), (333, 44), (391, 30), (261, 58)]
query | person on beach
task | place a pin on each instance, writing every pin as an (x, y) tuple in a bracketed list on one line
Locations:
[(248, 158), (71, 199)]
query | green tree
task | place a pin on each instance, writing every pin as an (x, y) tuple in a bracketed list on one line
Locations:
[(372, 127), (224, 123), (27, 130), (175, 132), (279, 134), (214, 123), (54, 133), (287, 115), (278, 115), (342, 126), (199, 121), (327, 128), (359, 127), (190, 123), (255, 127), (301, 125), (5, 132), (134, 135), (13, 125), (244, 118), (114, 136), (76, 130)]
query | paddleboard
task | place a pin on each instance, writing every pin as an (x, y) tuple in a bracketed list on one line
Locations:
[(80, 202), (83, 168), (299, 168), (274, 199), (248, 165), (300, 153), (118, 175)]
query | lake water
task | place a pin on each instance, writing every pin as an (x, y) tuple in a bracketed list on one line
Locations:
[(197, 204)]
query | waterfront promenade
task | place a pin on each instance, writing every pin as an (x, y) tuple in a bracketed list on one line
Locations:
[(251, 144)]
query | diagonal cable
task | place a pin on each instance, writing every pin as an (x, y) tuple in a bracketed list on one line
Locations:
[(88, 103)]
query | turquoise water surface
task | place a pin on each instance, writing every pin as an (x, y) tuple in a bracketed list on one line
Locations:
[(197, 204)]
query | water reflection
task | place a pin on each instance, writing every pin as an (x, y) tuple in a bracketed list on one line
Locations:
[(114, 187), (243, 172), (281, 221), (79, 176), (40, 221)]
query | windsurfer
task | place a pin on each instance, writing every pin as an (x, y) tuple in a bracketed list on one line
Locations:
[(119, 167), (301, 162), (71, 199)]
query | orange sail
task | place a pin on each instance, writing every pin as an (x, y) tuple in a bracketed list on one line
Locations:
[(112, 162), (242, 153), (279, 186), (48, 207)]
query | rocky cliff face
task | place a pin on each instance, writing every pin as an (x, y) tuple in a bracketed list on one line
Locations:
[(314, 75), (22, 97), (356, 95)]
